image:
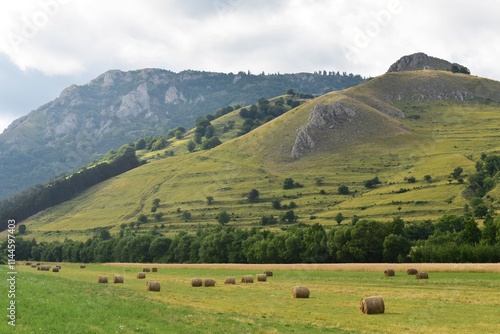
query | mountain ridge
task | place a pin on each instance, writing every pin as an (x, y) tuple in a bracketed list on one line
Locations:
[(118, 107)]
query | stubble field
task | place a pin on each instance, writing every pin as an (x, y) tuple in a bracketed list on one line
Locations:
[(458, 298)]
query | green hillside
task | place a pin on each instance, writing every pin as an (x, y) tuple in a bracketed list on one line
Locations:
[(396, 127)]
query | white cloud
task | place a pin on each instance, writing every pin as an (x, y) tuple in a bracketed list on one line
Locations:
[(83, 38)]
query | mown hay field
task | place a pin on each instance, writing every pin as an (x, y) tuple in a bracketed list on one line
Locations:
[(455, 299)]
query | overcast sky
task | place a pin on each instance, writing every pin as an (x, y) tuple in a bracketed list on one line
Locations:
[(47, 45)]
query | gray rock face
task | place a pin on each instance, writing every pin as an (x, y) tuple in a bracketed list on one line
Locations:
[(322, 117), (421, 61)]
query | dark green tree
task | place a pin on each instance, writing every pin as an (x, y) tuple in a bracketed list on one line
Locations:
[(288, 183), (223, 218), (211, 143), (210, 200), (490, 231), (339, 217), (396, 248), (253, 195), (191, 145), (209, 131), (186, 215), (343, 190), (457, 172), (142, 218), (372, 182), (289, 217)]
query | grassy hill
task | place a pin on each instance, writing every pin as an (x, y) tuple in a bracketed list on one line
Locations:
[(395, 127)]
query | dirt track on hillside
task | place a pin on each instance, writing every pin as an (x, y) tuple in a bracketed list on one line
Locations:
[(431, 267)]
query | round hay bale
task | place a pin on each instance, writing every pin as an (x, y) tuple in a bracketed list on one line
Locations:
[(102, 279), (153, 286), (247, 279), (83, 266), (261, 278), (118, 279), (372, 305), (55, 270), (195, 282), (230, 280), (300, 292), (146, 270), (389, 272), (34, 266), (269, 273), (208, 282), (59, 267), (28, 263), (45, 268), (155, 270), (422, 276), (411, 271), (38, 263), (141, 275)]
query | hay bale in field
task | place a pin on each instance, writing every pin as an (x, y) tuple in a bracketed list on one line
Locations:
[(155, 270), (39, 267), (83, 266), (411, 271), (247, 279), (141, 275), (195, 282), (38, 263), (28, 263), (389, 272), (422, 276), (230, 280), (268, 273), (146, 270), (102, 279), (55, 270), (208, 282), (261, 278), (118, 279), (44, 268), (59, 267), (300, 292), (153, 286), (372, 305), (34, 266)]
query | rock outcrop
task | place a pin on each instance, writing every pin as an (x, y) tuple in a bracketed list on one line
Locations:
[(421, 61), (322, 117)]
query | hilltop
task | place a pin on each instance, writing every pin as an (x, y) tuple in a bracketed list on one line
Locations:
[(408, 130), (117, 107), (421, 61)]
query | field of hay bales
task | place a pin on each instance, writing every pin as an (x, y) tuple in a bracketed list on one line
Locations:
[(455, 298)]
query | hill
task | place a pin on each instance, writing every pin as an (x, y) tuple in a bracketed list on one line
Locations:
[(408, 130), (117, 107)]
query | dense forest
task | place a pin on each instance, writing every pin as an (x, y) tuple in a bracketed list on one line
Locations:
[(449, 239), (59, 190)]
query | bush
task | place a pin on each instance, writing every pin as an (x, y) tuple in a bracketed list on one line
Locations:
[(372, 183), (343, 190)]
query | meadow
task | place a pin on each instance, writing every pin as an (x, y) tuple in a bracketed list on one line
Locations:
[(456, 298)]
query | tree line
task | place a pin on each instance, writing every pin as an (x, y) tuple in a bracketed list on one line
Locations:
[(449, 239), (41, 197)]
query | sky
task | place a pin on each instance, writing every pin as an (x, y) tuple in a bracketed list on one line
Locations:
[(48, 45)]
